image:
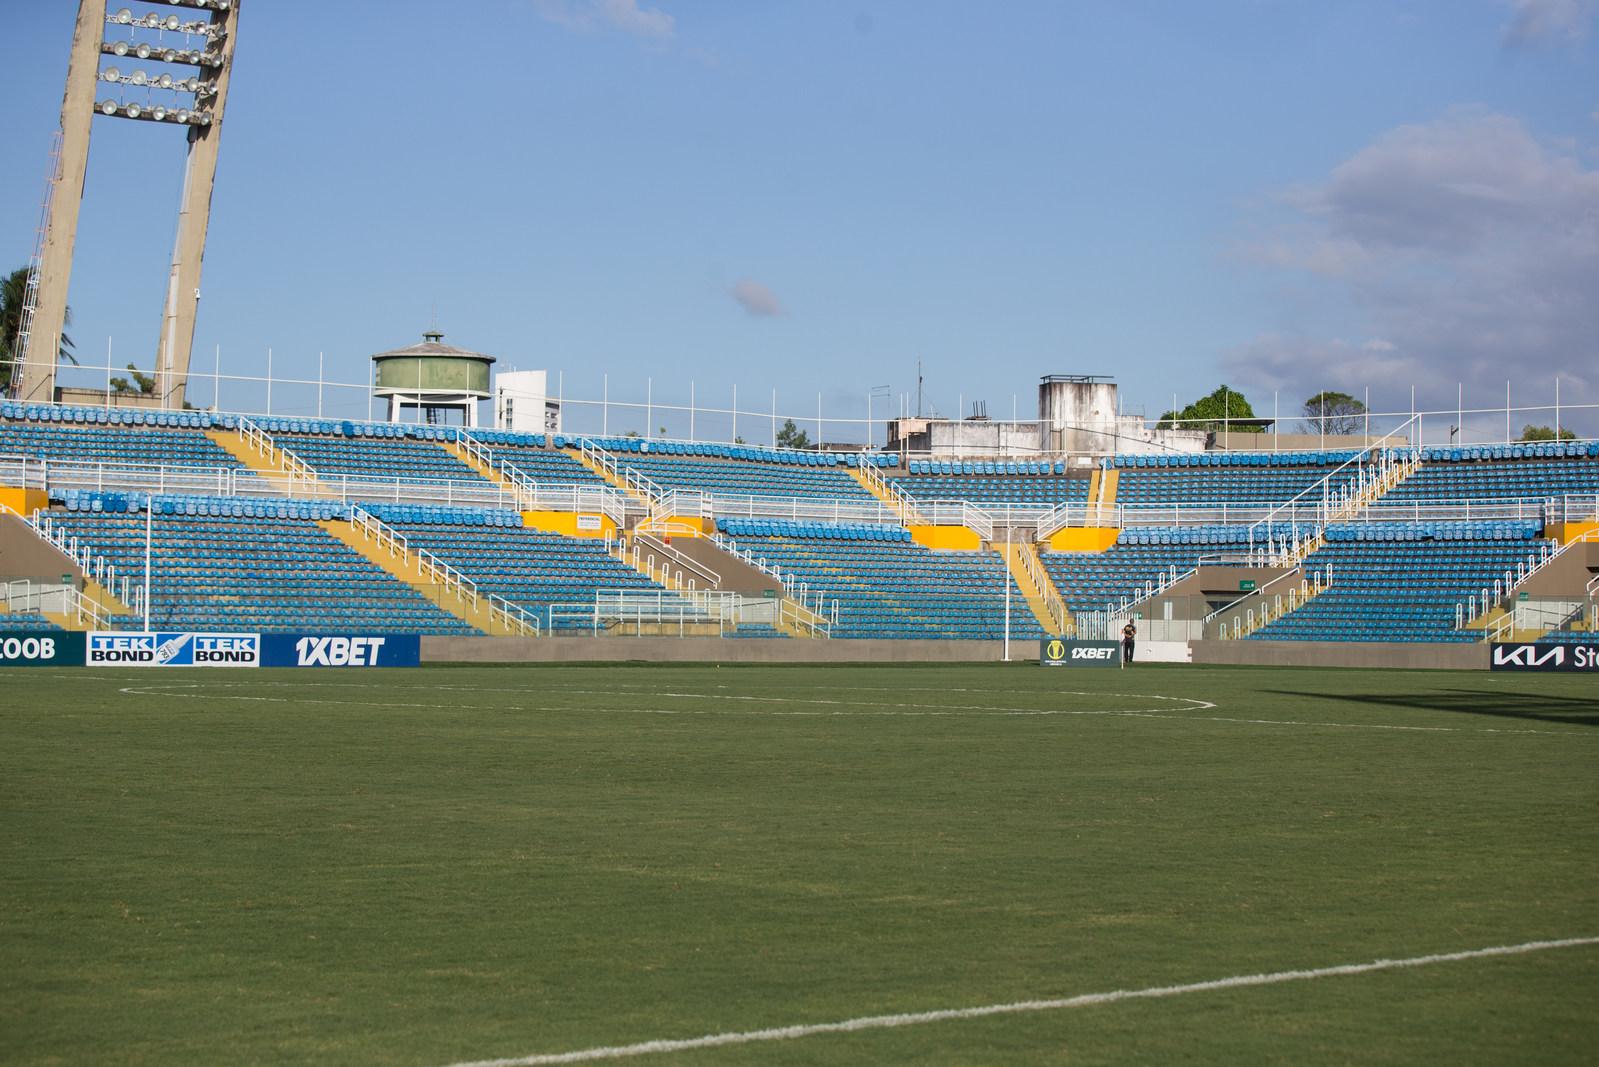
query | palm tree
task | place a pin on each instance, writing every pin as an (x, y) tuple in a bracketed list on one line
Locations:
[(13, 293)]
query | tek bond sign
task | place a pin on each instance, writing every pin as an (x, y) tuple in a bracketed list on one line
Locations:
[(173, 650), (43, 648), (340, 650), (1058, 652), (1527, 657)]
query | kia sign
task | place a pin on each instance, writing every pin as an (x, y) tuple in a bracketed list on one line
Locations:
[(1058, 652), (41, 648), (1551, 657), (173, 650), (341, 650)]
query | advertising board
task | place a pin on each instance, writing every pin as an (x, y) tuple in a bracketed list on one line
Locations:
[(41, 648), (341, 650), (1059, 652), (1548, 657), (172, 649)]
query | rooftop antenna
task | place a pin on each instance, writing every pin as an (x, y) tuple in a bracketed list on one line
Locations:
[(918, 389)]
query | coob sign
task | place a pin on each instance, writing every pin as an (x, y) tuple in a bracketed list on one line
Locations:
[(341, 650), (1059, 652), (44, 648), (1526, 657), (173, 650)]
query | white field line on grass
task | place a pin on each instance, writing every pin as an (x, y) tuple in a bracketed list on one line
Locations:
[(850, 708), (884, 1022)]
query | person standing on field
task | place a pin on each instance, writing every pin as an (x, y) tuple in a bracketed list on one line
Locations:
[(1129, 635)]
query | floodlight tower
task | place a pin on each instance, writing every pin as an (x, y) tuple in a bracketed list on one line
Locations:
[(168, 94)]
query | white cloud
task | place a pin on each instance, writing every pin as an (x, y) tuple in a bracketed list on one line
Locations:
[(1470, 247), (756, 298), (625, 16), (1539, 21)]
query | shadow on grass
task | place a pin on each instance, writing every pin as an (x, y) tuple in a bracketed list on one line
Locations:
[(1576, 711)]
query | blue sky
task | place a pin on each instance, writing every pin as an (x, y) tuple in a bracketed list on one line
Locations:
[(813, 196)]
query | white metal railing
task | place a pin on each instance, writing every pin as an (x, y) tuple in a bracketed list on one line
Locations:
[(683, 560), (638, 486), (1259, 592), (127, 588), (437, 571), (616, 611), (297, 469), (906, 507), (23, 596), (1280, 604), (1033, 567), (1348, 488), (1577, 507), (535, 495), (24, 472), (800, 592), (1484, 600)]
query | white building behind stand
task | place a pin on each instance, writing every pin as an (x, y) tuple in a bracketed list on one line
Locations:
[(522, 402)]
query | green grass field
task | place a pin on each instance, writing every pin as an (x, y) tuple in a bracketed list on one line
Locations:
[(450, 864)]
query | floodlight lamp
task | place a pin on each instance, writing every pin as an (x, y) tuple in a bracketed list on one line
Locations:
[(181, 115), (164, 81), (172, 22), (110, 74), (152, 20), (143, 51), (222, 5), (203, 118), (120, 48), (133, 111), (125, 16), (108, 107), (138, 77), (158, 113), (169, 56)]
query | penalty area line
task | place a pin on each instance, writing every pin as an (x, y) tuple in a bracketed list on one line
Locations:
[(884, 1022)]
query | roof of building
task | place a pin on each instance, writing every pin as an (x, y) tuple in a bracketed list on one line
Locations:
[(433, 345)]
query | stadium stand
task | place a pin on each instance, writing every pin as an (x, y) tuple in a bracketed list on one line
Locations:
[(886, 585), (528, 454), (254, 562), (1088, 581), (1223, 477), (12, 621), (378, 458), (178, 442), (530, 568), (1501, 472), (226, 564), (1025, 482), (1398, 581), (737, 470)]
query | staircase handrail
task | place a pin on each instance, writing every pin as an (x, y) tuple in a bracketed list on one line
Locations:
[(73, 603), (262, 442), (1331, 498), (1054, 603), (435, 569), (899, 499), (1475, 607), (683, 560), (91, 563), (1260, 590)]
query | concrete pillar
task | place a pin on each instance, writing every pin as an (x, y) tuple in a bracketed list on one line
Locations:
[(194, 216), (37, 379)]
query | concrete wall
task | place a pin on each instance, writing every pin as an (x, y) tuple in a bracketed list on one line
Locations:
[(718, 650), (711, 650), (1290, 442), (24, 555), (1342, 654)]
